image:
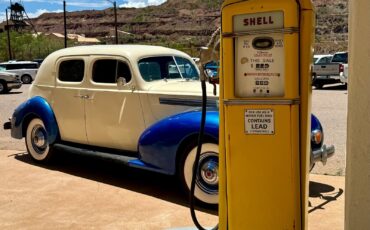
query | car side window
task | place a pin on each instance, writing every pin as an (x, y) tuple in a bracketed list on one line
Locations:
[(13, 66), (109, 70), (71, 70)]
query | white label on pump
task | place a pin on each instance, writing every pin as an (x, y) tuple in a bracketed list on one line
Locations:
[(260, 66), (259, 121)]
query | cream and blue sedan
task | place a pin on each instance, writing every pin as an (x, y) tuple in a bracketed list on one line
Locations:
[(135, 104)]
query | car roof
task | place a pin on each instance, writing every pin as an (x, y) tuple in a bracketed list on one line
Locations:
[(132, 51), (19, 62)]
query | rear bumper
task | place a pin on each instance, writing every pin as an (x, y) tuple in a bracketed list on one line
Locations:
[(322, 154)]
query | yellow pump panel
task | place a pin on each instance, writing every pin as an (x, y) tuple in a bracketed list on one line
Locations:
[(266, 50)]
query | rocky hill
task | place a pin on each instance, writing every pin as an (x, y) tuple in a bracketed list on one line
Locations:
[(185, 24)]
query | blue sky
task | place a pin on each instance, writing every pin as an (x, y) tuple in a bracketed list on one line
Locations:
[(36, 7)]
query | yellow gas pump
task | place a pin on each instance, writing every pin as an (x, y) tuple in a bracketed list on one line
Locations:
[(265, 89)]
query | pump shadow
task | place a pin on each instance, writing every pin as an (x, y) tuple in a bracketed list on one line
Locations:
[(152, 184), (324, 192)]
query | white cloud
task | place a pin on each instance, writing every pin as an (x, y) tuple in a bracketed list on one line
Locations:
[(141, 3)]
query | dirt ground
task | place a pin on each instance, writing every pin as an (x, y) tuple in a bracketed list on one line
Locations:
[(83, 193)]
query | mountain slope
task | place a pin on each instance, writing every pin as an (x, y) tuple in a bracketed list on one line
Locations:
[(185, 24)]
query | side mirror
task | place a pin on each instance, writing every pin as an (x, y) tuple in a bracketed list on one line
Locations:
[(211, 71), (121, 81)]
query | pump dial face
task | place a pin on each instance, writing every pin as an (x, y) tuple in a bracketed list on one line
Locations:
[(260, 66)]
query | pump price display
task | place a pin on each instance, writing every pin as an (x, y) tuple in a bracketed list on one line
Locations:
[(259, 121), (259, 58)]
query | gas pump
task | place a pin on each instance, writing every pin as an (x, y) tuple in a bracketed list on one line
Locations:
[(265, 94)]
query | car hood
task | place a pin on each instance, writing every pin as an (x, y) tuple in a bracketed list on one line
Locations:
[(181, 87), (8, 76), (4, 73)]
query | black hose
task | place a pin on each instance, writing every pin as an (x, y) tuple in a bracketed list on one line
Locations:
[(197, 156)]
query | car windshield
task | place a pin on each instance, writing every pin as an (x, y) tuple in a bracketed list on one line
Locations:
[(167, 67)]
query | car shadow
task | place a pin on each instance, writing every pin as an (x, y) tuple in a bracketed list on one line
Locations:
[(325, 192), (334, 87), (115, 174), (16, 92)]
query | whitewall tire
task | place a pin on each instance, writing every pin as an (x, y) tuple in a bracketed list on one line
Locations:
[(206, 186), (37, 141)]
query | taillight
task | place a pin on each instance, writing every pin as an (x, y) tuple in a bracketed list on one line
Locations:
[(341, 68)]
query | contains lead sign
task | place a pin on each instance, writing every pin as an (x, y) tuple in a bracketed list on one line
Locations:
[(259, 121)]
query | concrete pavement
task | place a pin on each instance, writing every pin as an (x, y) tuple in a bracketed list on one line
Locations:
[(84, 193)]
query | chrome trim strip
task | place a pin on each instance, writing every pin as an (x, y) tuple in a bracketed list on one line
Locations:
[(263, 102), (288, 30), (187, 102)]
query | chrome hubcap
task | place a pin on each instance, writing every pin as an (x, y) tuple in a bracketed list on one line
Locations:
[(209, 172), (38, 138), (208, 177)]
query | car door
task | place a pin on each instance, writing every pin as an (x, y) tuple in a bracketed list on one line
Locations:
[(68, 98), (113, 111)]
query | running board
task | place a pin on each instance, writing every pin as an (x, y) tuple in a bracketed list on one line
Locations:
[(111, 157)]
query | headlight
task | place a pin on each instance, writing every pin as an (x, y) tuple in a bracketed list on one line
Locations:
[(316, 136)]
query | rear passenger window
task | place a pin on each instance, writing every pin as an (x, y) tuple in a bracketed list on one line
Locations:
[(109, 70), (71, 70)]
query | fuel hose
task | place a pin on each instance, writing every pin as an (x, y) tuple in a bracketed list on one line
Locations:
[(197, 156)]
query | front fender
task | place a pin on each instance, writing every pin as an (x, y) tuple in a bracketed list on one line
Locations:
[(158, 144), (34, 107)]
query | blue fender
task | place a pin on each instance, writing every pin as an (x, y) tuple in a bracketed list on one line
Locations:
[(34, 107), (159, 144)]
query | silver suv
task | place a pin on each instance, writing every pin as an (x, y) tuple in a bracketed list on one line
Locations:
[(25, 69)]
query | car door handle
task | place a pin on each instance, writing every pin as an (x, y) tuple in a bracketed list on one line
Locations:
[(87, 97), (84, 97)]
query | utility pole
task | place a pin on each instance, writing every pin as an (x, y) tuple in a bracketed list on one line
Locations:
[(8, 33), (115, 21), (65, 24)]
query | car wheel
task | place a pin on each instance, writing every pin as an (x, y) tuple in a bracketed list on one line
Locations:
[(206, 186), (37, 141), (26, 79), (3, 87)]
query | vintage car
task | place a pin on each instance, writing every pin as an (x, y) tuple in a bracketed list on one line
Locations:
[(135, 104)]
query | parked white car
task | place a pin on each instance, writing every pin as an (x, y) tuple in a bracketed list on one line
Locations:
[(25, 69), (8, 81)]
